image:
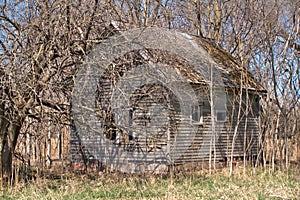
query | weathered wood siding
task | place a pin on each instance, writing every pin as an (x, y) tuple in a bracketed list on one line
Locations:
[(149, 139)]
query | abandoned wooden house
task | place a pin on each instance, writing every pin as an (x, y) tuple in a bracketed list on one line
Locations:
[(146, 126)]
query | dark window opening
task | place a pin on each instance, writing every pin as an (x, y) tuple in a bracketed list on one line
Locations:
[(221, 116), (197, 113), (130, 122)]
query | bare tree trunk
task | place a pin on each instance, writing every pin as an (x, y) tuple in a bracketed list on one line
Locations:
[(245, 144), (3, 125), (286, 142), (275, 141), (218, 19), (9, 144), (59, 147), (212, 145), (49, 147), (28, 147), (236, 126)]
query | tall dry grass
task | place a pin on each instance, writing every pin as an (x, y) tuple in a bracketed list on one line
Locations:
[(255, 184)]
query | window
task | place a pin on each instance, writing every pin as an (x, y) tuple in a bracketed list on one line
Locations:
[(130, 117), (130, 122), (221, 115), (197, 114)]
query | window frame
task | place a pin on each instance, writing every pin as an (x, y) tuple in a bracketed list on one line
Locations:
[(199, 113)]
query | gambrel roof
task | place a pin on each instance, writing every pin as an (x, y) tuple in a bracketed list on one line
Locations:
[(231, 70)]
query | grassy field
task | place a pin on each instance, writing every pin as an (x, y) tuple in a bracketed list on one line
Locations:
[(255, 184)]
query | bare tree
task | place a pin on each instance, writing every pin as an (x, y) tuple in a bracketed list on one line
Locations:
[(41, 46)]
